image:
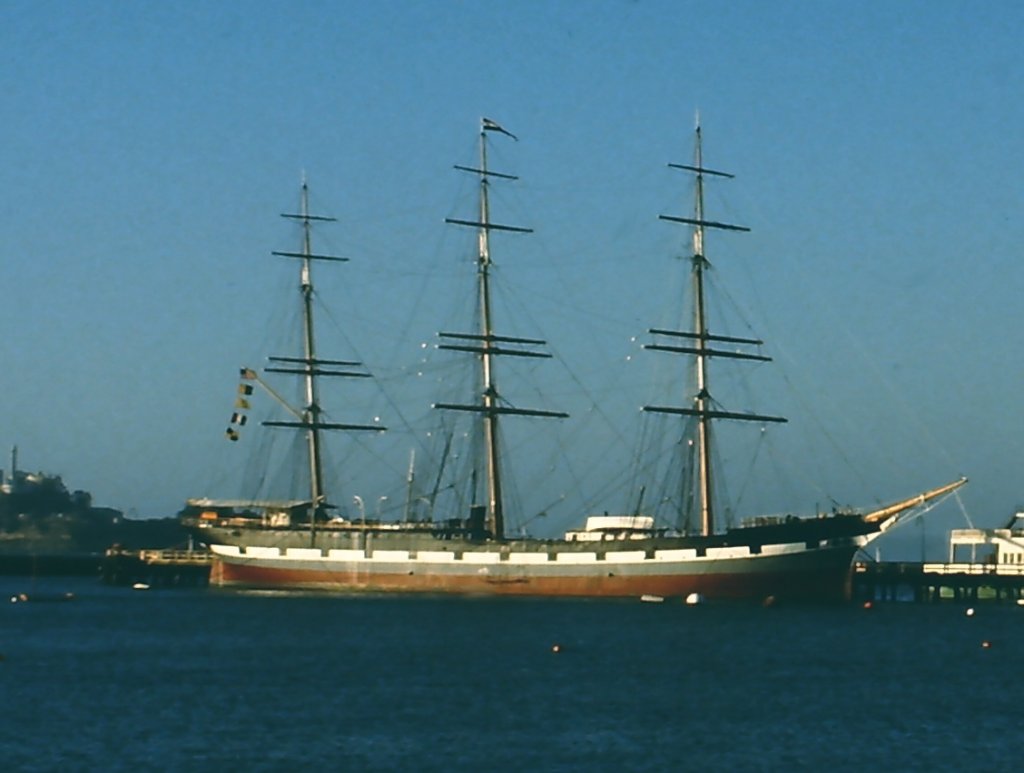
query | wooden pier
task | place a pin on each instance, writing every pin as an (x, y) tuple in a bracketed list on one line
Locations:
[(157, 568), (932, 582)]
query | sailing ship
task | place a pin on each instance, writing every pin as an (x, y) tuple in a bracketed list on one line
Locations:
[(294, 544)]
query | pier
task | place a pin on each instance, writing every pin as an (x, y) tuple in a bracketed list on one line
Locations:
[(937, 582), (157, 568)]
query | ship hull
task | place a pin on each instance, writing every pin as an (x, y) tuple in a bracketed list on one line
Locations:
[(783, 572)]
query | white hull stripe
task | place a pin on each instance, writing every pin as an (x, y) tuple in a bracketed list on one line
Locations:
[(480, 557)]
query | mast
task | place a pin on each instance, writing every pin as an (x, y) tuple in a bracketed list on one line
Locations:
[(704, 407), (410, 481), (486, 344), (310, 367)]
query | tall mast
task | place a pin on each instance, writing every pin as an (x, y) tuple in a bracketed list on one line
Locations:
[(311, 414), (488, 345), (310, 367), (701, 328), (703, 404), (495, 508)]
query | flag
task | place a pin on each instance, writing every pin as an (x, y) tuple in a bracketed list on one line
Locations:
[(231, 435), (241, 402), (245, 389), (493, 126), (248, 373), (239, 419)]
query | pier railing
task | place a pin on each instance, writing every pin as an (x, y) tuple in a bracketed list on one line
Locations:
[(174, 556), (1000, 570), (891, 581)]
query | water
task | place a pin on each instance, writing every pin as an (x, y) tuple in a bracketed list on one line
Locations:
[(204, 680)]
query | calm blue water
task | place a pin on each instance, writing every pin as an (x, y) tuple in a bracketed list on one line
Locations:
[(204, 680)]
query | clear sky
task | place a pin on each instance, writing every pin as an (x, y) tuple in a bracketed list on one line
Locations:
[(147, 148)]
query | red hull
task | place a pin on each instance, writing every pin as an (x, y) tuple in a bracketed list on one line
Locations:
[(817, 583)]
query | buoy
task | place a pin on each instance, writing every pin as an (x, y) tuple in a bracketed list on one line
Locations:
[(868, 605), (769, 601), (970, 611), (986, 644), (556, 648), (694, 598)]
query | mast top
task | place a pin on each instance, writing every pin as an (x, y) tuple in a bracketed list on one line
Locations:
[(698, 167), (487, 125)]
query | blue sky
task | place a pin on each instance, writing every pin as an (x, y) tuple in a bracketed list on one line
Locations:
[(147, 149)]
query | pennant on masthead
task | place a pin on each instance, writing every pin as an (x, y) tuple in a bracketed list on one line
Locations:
[(493, 126)]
